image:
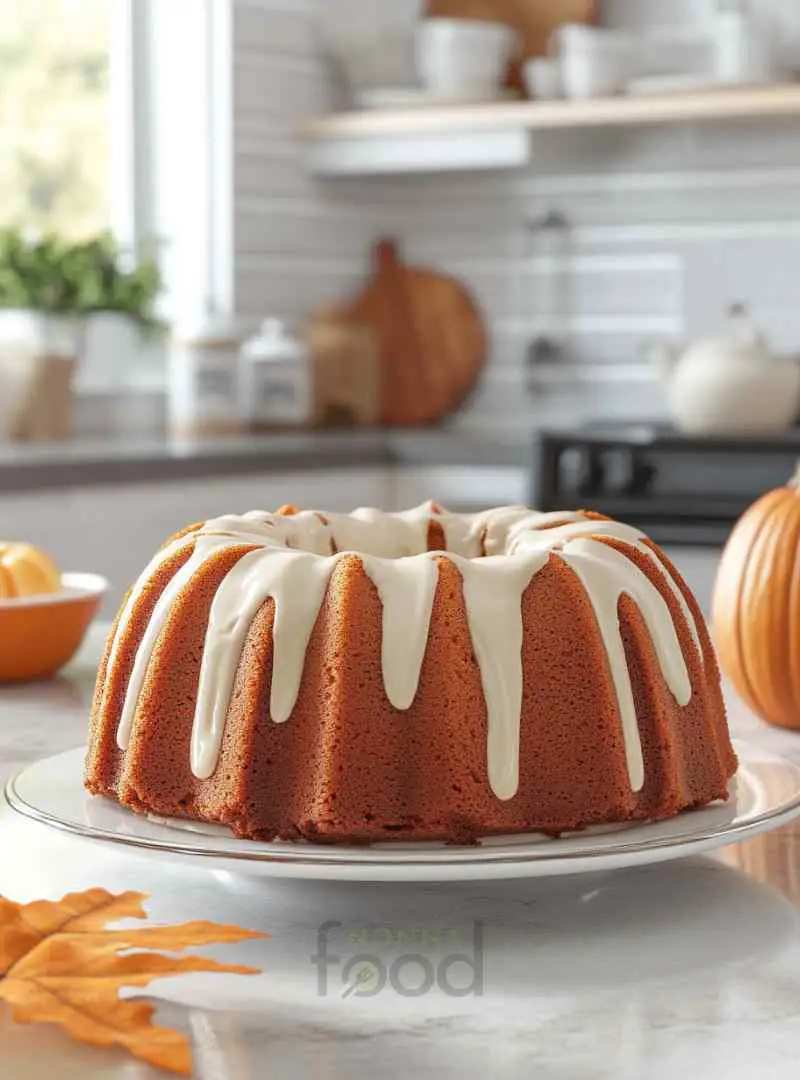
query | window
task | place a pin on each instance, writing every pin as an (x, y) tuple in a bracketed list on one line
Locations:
[(115, 114), (54, 115)]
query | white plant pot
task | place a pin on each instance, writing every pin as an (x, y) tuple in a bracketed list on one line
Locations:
[(112, 342), (38, 356), (29, 333)]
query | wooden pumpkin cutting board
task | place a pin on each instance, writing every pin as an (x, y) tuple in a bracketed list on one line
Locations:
[(430, 336)]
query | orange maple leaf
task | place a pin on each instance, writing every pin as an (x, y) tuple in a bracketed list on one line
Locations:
[(59, 964)]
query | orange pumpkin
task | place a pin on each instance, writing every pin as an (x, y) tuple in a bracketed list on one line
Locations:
[(756, 607)]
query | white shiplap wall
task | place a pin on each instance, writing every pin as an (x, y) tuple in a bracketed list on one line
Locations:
[(297, 242), (667, 226)]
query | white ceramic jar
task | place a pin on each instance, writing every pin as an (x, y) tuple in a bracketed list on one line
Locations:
[(203, 377), (275, 379), (731, 385)]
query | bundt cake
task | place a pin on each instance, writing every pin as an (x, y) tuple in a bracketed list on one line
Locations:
[(414, 676)]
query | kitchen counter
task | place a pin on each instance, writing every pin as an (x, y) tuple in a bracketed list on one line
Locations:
[(24, 467), (686, 969)]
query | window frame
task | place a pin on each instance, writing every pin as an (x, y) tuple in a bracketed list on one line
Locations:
[(126, 120), (147, 162), (152, 103)]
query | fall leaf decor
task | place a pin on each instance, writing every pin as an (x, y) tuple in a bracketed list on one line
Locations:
[(60, 965)]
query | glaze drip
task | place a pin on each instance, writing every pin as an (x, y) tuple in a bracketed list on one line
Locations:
[(288, 560), (606, 577), (406, 588), (493, 596)]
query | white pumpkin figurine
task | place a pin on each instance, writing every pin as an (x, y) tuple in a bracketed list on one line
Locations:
[(730, 385)]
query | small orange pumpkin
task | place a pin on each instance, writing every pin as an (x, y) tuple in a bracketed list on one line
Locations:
[(756, 606)]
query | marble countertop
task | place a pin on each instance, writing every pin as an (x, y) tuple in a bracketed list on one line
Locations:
[(24, 467), (688, 969)]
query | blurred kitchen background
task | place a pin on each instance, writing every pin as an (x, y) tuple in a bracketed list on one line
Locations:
[(330, 252)]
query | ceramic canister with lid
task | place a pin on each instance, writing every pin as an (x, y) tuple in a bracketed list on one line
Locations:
[(731, 384), (203, 377), (274, 379)]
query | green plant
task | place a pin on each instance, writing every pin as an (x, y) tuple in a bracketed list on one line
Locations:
[(54, 275)]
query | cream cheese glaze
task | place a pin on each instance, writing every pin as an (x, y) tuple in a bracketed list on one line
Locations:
[(290, 559)]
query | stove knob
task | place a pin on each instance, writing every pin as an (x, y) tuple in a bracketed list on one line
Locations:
[(580, 472)]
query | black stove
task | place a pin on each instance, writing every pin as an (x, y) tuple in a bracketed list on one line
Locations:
[(680, 489)]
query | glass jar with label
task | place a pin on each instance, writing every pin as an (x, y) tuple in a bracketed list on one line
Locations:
[(274, 379)]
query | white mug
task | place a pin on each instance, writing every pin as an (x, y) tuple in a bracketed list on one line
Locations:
[(742, 49), (463, 58), (594, 62)]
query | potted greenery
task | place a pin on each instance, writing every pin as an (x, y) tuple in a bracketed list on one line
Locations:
[(48, 288)]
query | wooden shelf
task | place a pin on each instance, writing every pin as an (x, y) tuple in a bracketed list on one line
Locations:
[(445, 136), (736, 103)]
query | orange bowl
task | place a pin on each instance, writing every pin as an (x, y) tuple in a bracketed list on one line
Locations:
[(39, 634)]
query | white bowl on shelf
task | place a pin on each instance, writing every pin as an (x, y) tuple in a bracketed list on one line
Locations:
[(368, 63), (542, 78), (463, 58), (371, 45)]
